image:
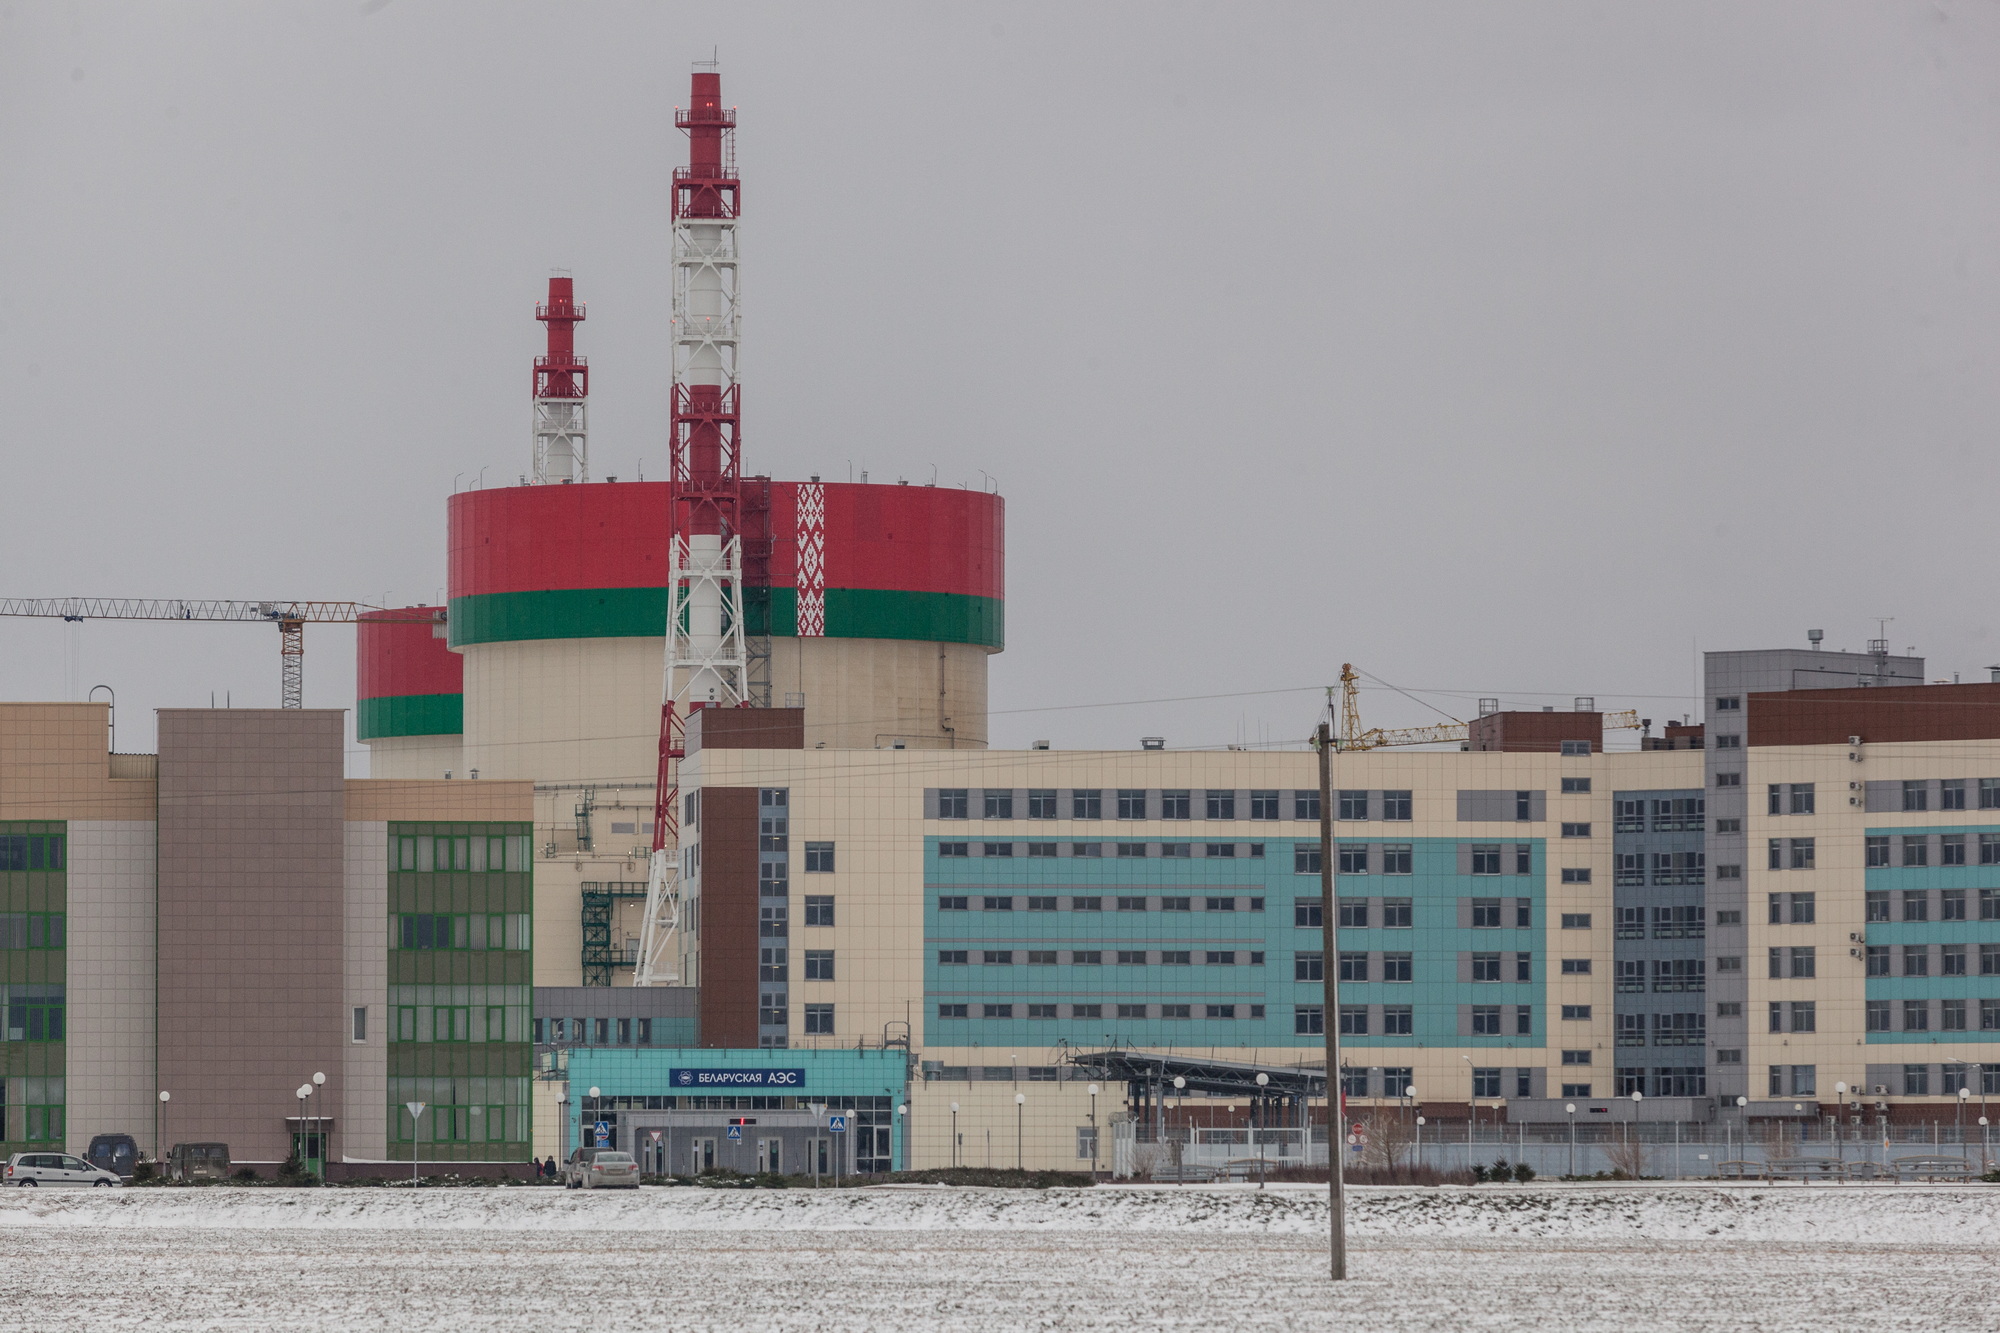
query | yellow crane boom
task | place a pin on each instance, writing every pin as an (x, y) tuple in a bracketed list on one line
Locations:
[(1353, 738)]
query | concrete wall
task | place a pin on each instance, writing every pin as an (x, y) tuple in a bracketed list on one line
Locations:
[(363, 1111), (111, 1088)]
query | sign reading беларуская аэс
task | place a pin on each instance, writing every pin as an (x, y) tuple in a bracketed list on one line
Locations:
[(739, 1078)]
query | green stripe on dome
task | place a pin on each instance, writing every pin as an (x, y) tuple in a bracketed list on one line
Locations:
[(410, 715), (625, 613)]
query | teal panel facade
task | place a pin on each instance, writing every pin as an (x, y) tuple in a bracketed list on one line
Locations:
[(1978, 932)]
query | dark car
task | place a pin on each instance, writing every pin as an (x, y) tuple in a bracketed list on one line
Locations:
[(198, 1161), (114, 1152)]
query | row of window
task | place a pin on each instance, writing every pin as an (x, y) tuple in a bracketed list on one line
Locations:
[(1082, 958), (1670, 976), (1051, 1010), (473, 853), (1951, 1080), (1145, 803), (1952, 960), (594, 1031), (1122, 850), (1951, 794), (33, 851), (1679, 922), (958, 902), (1683, 1029), (1668, 814), (1629, 869), (1915, 849), (479, 932), (1916, 904), (32, 930)]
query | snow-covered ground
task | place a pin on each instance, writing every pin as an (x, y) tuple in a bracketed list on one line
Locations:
[(1631, 1259)]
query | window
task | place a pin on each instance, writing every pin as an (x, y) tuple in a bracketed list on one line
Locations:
[(1878, 960), (1351, 805), (1989, 904), (1989, 849), (1126, 849), (1916, 960), (1263, 805), (997, 956), (1087, 957), (1176, 904), (1047, 849), (1951, 905), (1576, 1057), (1132, 957), (952, 903), (1628, 868), (1805, 1016), (996, 849), (1729, 704), (1951, 960), (1305, 858), (1728, 779), (1131, 803), (1176, 849), (1396, 913), (1041, 1010), (1803, 908), (1802, 853), (1353, 913), (1916, 1016), (1306, 914), (1175, 1011), (1952, 1016), (1485, 967), (1576, 967), (1802, 798), (1397, 1020), (1086, 804), (1396, 966), (1576, 1013), (1732, 741), (1916, 850), (1729, 963), (1524, 967), (772, 965), (1524, 858), (1875, 1015), (1353, 1020), (1877, 851), (819, 909), (1086, 1011), (1774, 797), (1086, 849), (985, 1011), (1309, 1020), (1576, 749), (819, 858), (953, 803), (1485, 1020), (1354, 967), (1041, 803), (1576, 1090), (1804, 961), (1951, 849), (1524, 913), (1131, 1011), (1576, 921), (1486, 912), (1576, 875), (1305, 805), (1219, 957), (1219, 804), (993, 903), (1573, 786), (819, 965), (1041, 904), (1176, 957), (1916, 794), (1174, 804), (951, 957), (951, 1011), (1989, 793), (999, 804), (1728, 826), (1485, 858), (1728, 917), (361, 1023), (1576, 830), (1396, 805), (1353, 858), (1396, 858), (1916, 905), (1308, 967), (952, 849), (1086, 904)]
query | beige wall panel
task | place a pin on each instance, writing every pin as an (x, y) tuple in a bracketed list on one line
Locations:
[(364, 1124), (55, 763), (111, 1086), (389, 799), (415, 757)]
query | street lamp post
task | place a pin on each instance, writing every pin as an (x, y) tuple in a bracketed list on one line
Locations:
[(319, 1122), (1571, 1108), (1093, 1131), (1839, 1139), (1020, 1113), (954, 1133), (1410, 1091), (1180, 1149), (903, 1122), (1263, 1115), (562, 1126), (299, 1142), (1958, 1119), (160, 1125)]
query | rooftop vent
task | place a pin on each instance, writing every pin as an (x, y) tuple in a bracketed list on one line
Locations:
[(1152, 742)]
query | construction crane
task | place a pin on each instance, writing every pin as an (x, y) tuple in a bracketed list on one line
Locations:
[(1353, 738), (291, 619)]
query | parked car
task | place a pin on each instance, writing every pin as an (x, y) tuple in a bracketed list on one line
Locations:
[(606, 1169), (198, 1161), (35, 1169), (114, 1152)]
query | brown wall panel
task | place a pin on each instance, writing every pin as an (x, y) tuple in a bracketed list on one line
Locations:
[(1532, 733), (250, 921), (1878, 714), (729, 916), (746, 729)]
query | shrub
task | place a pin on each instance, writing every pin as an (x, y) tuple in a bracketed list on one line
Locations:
[(244, 1173), (142, 1173), (1523, 1172)]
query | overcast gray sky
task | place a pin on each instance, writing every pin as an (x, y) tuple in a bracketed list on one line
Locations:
[(1513, 349)]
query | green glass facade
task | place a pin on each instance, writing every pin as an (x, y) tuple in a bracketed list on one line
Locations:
[(461, 991), (34, 975)]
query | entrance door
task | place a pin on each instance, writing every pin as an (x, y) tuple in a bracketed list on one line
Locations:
[(871, 1148), (819, 1157), (701, 1156), (310, 1149), (771, 1156)]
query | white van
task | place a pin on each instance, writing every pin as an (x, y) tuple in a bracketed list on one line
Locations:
[(55, 1168)]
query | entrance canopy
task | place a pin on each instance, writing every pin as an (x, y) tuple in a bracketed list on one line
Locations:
[(1223, 1078)]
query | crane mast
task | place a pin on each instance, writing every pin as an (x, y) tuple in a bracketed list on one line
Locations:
[(707, 661)]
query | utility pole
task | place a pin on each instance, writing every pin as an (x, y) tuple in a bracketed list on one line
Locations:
[(1336, 1120)]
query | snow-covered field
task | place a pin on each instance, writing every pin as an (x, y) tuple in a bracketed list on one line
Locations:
[(1631, 1259)]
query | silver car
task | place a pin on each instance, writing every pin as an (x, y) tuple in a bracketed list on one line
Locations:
[(607, 1170), (35, 1169)]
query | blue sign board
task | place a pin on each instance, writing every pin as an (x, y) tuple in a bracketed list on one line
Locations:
[(736, 1132), (737, 1078), (836, 1124), (601, 1131)]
